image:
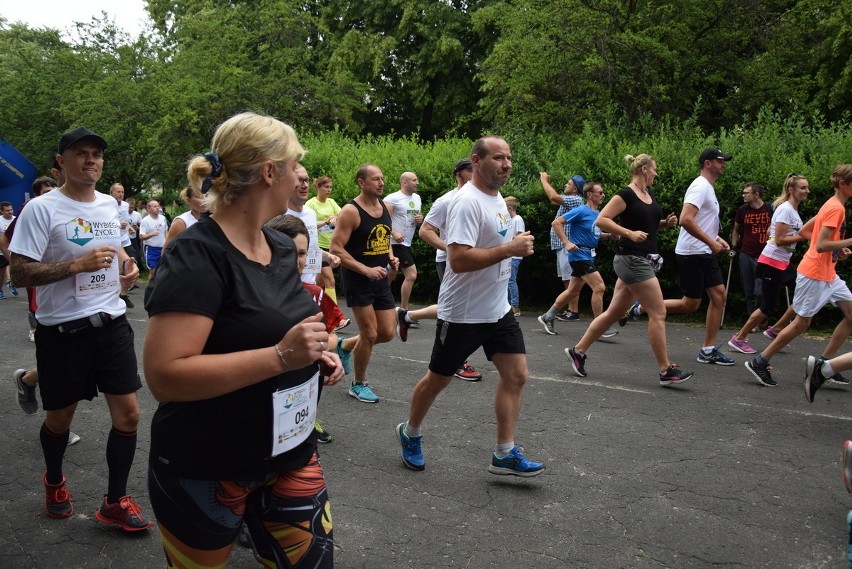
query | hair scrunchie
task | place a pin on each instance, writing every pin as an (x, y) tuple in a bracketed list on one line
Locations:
[(213, 158)]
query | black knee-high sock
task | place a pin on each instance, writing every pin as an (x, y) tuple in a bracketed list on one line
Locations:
[(53, 446), (121, 448)]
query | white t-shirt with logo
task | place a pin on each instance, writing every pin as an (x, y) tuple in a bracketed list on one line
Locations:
[(702, 195), (135, 219), (405, 207), (150, 225), (789, 216), (54, 228), (314, 262), (481, 221), (437, 217)]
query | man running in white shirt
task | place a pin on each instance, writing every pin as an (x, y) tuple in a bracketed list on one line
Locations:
[(473, 309)]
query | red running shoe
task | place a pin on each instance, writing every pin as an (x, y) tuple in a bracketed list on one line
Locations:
[(57, 499), (467, 373), (126, 514)]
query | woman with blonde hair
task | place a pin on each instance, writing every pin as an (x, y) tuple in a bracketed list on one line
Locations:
[(197, 207), (232, 440), (774, 268), (635, 264)]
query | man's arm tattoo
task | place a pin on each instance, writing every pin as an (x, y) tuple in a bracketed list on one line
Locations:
[(28, 272)]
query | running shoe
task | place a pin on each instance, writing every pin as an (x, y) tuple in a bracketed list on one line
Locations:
[(515, 464), (345, 356), (127, 301), (26, 395), (467, 373), (323, 436), (839, 379), (402, 325), (548, 324), (673, 375), (2, 295), (741, 346), (73, 438), (361, 391), (770, 332), (126, 514), (516, 312), (415, 325), (714, 357), (631, 314), (57, 499), (412, 455), (846, 463), (813, 377), (578, 361), (761, 372), (343, 324), (564, 316), (32, 335), (12, 288), (610, 332)]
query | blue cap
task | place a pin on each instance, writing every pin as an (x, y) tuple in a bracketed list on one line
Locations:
[(579, 181)]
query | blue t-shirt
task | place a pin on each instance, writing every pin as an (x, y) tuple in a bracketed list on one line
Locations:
[(583, 232)]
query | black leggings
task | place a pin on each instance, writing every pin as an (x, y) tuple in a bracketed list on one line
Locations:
[(773, 281)]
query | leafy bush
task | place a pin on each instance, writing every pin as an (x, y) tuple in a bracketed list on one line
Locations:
[(765, 151)]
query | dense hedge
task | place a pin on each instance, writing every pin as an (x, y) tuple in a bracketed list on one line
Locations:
[(765, 151)]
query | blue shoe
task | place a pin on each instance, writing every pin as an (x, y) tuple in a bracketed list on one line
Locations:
[(2, 295), (412, 456), (714, 357), (345, 357), (361, 391), (515, 464), (12, 288)]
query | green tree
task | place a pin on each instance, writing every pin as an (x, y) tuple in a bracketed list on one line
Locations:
[(806, 64), (416, 61), (559, 63)]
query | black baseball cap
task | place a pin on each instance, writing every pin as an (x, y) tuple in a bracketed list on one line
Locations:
[(713, 154), (463, 164), (79, 133)]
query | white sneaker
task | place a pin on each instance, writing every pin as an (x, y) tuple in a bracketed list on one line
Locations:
[(73, 438), (610, 332), (32, 335)]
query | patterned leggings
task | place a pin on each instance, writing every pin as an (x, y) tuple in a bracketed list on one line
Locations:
[(288, 516)]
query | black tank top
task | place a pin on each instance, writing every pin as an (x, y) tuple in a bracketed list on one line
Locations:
[(639, 216), (370, 242)]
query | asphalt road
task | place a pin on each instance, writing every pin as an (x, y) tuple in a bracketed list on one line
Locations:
[(719, 472)]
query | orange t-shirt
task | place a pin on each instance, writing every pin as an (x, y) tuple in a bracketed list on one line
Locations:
[(820, 266)]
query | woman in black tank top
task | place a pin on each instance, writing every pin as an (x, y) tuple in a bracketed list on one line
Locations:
[(640, 217)]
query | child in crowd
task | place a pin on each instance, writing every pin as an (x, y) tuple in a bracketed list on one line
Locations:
[(516, 225), (295, 228)]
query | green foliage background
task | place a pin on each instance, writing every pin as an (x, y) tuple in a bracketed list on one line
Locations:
[(765, 151)]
